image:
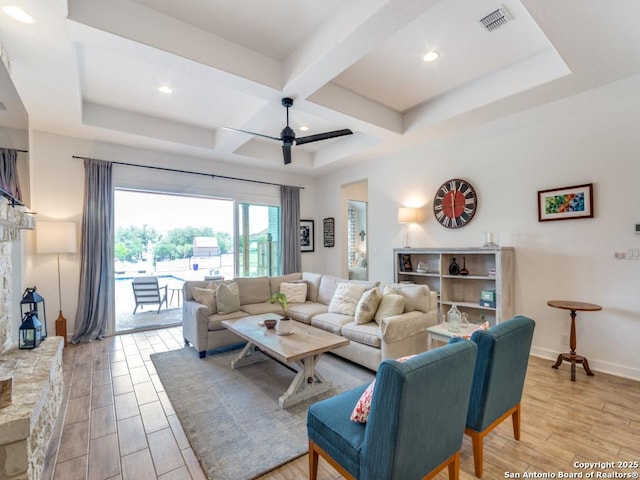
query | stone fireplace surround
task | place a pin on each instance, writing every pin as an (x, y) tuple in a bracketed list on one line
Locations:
[(27, 423)]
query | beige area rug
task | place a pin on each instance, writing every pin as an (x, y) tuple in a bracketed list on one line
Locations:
[(232, 417)]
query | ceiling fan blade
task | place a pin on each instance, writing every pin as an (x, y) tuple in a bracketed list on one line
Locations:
[(251, 133), (286, 151), (323, 136)]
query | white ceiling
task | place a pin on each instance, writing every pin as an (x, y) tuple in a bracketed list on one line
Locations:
[(91, 69)]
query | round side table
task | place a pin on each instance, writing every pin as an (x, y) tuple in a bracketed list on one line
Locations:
[(572, 357)]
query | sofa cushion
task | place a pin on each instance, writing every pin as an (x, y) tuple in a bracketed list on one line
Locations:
[(260, 308), (390, 305), (303, 312), (328, 285), (416, 297), (331, 322), (207, 297), (295, 292), (368, 334), (216, 318), (228, 298), (368, 305), (313, 285), (346, 298), (253, 289), (274, 282)]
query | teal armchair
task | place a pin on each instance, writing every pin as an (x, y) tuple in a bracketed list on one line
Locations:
[(498, 380), (415, 426)]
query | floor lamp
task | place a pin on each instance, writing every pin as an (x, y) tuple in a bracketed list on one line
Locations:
[(57, 237)]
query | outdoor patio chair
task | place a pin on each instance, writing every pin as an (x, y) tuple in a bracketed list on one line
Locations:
[(146, 291)]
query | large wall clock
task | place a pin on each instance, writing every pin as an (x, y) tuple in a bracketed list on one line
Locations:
[(455, 203)]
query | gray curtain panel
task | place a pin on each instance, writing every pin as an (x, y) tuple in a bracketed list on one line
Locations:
[(290, 213), (96, 291), (9, 173)]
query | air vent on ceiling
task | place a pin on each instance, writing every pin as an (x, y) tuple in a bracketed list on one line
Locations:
[(495, 19)]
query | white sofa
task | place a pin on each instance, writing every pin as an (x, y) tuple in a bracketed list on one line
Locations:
[(370, 343)]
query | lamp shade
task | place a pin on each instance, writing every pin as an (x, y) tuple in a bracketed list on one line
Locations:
[(56, 237), (410, 215)]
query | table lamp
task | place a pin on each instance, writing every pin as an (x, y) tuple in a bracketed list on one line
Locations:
[(408, 216), (57, 237)]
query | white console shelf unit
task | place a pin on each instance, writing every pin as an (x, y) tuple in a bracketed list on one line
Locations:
[(489, 269)]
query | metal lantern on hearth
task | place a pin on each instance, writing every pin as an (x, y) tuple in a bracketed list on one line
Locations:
[(32, 301), (30, 331)]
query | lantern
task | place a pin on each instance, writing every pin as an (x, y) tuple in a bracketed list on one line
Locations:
[(29, 303), (30, 331)]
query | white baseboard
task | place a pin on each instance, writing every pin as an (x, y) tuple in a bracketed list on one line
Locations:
[(597, 366)]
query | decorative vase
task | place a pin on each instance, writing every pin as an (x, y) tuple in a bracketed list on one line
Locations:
[(284, 326), (454, 268), (453, 318), (463, 270)]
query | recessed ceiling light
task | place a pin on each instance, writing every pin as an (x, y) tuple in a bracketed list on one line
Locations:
[(165, 89), (431, 56), (304, 128), (18, 14)]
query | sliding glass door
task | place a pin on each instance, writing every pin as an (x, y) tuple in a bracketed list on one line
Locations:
[(258, 252)]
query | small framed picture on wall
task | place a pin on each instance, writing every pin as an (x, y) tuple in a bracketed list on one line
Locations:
[(306, 236)]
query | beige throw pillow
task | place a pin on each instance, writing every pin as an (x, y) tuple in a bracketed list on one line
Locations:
[(228, 297), (295, 292), (368, 305), (346, 298), (391, 304), (207, 297)]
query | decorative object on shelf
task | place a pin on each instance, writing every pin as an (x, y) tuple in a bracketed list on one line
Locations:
[(405, 263), (454, 268), (463, 270), (490, 240), (455, 203), (464, 320), (565, 203), (30, 331), (57, 237), (454, 318), (421, 267), (31, 299), (329, 231), (407, 216), (306, 236)]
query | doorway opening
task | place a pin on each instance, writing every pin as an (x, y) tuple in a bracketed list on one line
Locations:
[(171, 238)]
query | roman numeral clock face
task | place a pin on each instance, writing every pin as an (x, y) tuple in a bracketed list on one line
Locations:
[(455, 203)]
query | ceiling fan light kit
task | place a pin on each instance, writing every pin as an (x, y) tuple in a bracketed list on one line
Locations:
[(288, 136)]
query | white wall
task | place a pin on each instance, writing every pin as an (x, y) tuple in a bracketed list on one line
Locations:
[(589, 138)]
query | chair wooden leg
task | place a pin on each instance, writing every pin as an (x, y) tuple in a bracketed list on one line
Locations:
[(454, 467), (477, 444), (313, 461), (516, 422)]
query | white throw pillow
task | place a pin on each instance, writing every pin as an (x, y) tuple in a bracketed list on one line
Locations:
[(368, 305), (346, 298), (391, 304), (228, 297), (295, 292)]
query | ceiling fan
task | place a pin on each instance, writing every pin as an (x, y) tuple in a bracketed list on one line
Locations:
[(288, 136)]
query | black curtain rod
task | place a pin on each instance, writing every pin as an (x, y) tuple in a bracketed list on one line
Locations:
[(203, 174), (17, 150)]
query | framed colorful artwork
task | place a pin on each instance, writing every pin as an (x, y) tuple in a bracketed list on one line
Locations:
[(565, 203)]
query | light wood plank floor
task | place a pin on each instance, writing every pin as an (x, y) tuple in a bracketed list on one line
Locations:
[(117, 421)]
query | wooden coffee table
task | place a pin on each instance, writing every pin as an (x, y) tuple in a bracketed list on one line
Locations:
[(302, 349)]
